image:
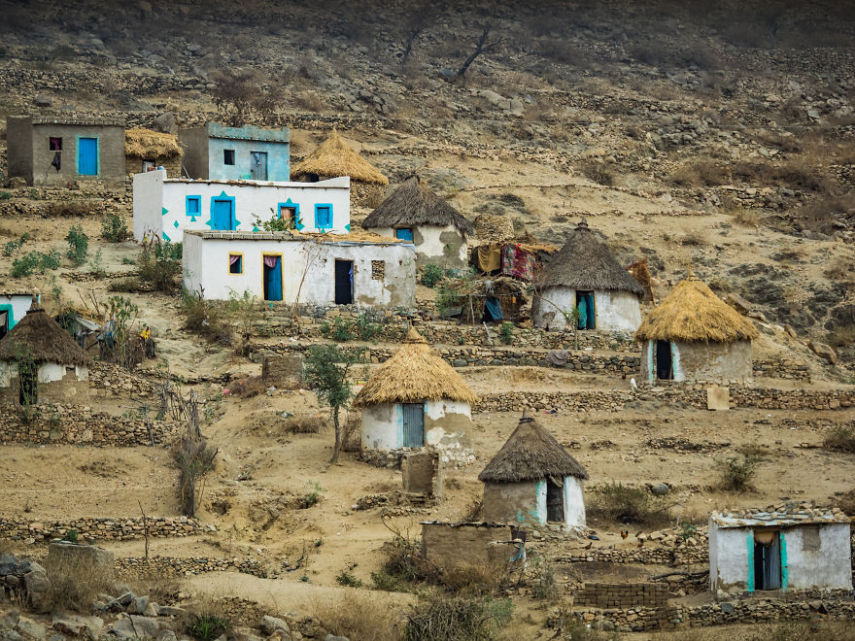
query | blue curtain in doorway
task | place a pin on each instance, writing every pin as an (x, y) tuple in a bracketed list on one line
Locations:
[(273, 277)]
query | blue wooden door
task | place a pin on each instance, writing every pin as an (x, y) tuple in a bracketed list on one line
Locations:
[(222, 214), (258, 165), (87, 156), (414, 424)]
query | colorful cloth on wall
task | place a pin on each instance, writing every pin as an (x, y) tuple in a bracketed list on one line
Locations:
[(517, 262), (489, 258)]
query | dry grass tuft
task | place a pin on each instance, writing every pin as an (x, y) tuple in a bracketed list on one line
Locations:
[(358, 616), (311, 424), (75, 585)]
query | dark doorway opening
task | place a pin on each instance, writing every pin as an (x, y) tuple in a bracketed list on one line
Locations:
[(28, 378), (664, 366), (414, 424), (343, 282), (587, 313), (4, 322), (554, 500), (767, 561)]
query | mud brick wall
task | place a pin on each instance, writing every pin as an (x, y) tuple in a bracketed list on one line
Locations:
[(447, 546), (101, 529), (622, 595), (62, 423)]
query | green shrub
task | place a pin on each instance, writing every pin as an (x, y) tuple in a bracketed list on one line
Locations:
[(737, 473), (113, 229), (506, 333), (35, 262), (78, 245), (841, 439), (5, 195), (544, 586), (340, 330), (207, 626), (623, 504), (347, 579), (366, 328), (446, 297), (159, 265), (431, 275), (70, 536), (12, 246), (311, 497), (205, 318)]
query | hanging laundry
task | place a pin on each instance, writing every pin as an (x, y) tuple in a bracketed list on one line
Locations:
[(517, 262)]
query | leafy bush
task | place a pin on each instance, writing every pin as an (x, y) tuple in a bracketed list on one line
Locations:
[(737, 473), (347, 579), (35, 262), (5, 195), (12, 246), (366, 328), (544, 586), (431, 275), (130, 285), (205, 318), (446, 297), (159, 265), (70, 536), (207, 626), (340, 330), (841, 439), (311, 497), (78, 245), (617, 502), (506, 333), (113, 229)]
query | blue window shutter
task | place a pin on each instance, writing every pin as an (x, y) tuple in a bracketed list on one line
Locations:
[(323, 216)]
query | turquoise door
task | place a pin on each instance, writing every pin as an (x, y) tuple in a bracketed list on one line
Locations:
[(414, 424), (87, 156), (222, 214)]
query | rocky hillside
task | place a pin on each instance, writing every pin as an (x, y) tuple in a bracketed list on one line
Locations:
[(734, 121)]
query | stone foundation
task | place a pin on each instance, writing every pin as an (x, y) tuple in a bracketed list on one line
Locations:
[(101, 529), (622, 595)]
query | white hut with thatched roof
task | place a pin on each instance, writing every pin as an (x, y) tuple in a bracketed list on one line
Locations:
[(334, 158), (694, 336), (40, 362), (414, 399), (584, 276), (533, 479), (415, 213), (146, 150)]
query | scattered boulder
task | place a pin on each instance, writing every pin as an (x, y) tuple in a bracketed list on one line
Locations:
[(138, 606), (269, 625), (134, 626), (77, 625), (823, 351), (659, 489)]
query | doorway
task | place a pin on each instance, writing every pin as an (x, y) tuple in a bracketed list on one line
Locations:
[(343, 282), (258, 165), (87, 156), (414, 424), (767, 560), (4, 322), (223, 214), (272, 277), (585, 307), (554, 500), (664, 365), (28, 380)]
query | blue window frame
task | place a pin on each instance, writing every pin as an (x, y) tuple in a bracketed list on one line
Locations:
[(290, 209), (404, 233), (323, 216), (193, 206), (87, 156)]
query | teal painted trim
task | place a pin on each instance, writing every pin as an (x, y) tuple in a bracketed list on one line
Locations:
[(651, 373), (163, 211), (97, 155), (298, 219), (10, 315), (785, 570), (399, 420), (224, 196), (347, 227), (317, 223), (166, 238), (197, 209), (750, 541), (540, 510)]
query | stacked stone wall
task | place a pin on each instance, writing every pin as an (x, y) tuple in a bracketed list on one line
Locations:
[(101, 529), (621, 595)]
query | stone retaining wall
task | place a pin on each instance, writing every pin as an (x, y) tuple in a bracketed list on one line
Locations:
[(622, 595), (109, 378), (681, 555), (60, 423), (101, 529), (171, 567)]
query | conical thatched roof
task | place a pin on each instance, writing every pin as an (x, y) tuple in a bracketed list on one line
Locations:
[(413, 203), (692, 313), (42, 339), (415, 374), (148, 144), (531, 453), (333, 158), (586, 263)]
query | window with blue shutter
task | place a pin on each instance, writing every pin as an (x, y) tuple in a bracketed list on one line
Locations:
[(193, 206), (323, 216)]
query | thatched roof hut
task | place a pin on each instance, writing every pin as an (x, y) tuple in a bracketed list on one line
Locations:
[(692, 313), (333, 158), (39, 337), (586, 263), (412, 204), (531, 453), (416, 373), (147, 144)]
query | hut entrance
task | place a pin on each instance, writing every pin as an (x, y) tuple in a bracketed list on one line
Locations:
[(767, 560), (585, 308), (272, 277), (343, 282), (664, 366), (554, 500), (414, 424), (258, 166), (28, 380), (4, 322)]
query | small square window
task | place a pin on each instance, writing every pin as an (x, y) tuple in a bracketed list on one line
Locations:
[(235, 264), (228, 156), (323, 216), (378, 269), (404, 233), (194, 205), (288, 213), (55, 143)]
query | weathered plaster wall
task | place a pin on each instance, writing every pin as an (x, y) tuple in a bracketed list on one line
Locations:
[(460, 545), (702, 362), (111, 153), (819, 556), (278, 166), (194, 144), (162, 204), (729, 567), (447, 423), (574, 502), (444, 246), (55, 382), (382, 427), (614, 311), (17, 304), (19, 147), (206, 268), (513, 502)]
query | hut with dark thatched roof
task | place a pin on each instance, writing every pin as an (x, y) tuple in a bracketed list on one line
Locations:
[(334, 158), (415, 399), (694, 336), (40, 362), (584, 280), (413, 212), (146, 150), (533, 479)]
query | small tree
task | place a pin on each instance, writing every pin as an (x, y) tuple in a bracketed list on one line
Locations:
[(326, 370)]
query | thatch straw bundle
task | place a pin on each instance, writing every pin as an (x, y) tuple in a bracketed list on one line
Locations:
[(586, 263), (333, 158), (413, 375), (692, 313), (149, 145), (492, 229), (530, 454), (39, 337), (413, 203)]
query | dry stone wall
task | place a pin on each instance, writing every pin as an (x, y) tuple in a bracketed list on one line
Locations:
[(621, 595), (171, 567), (101, 529)]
